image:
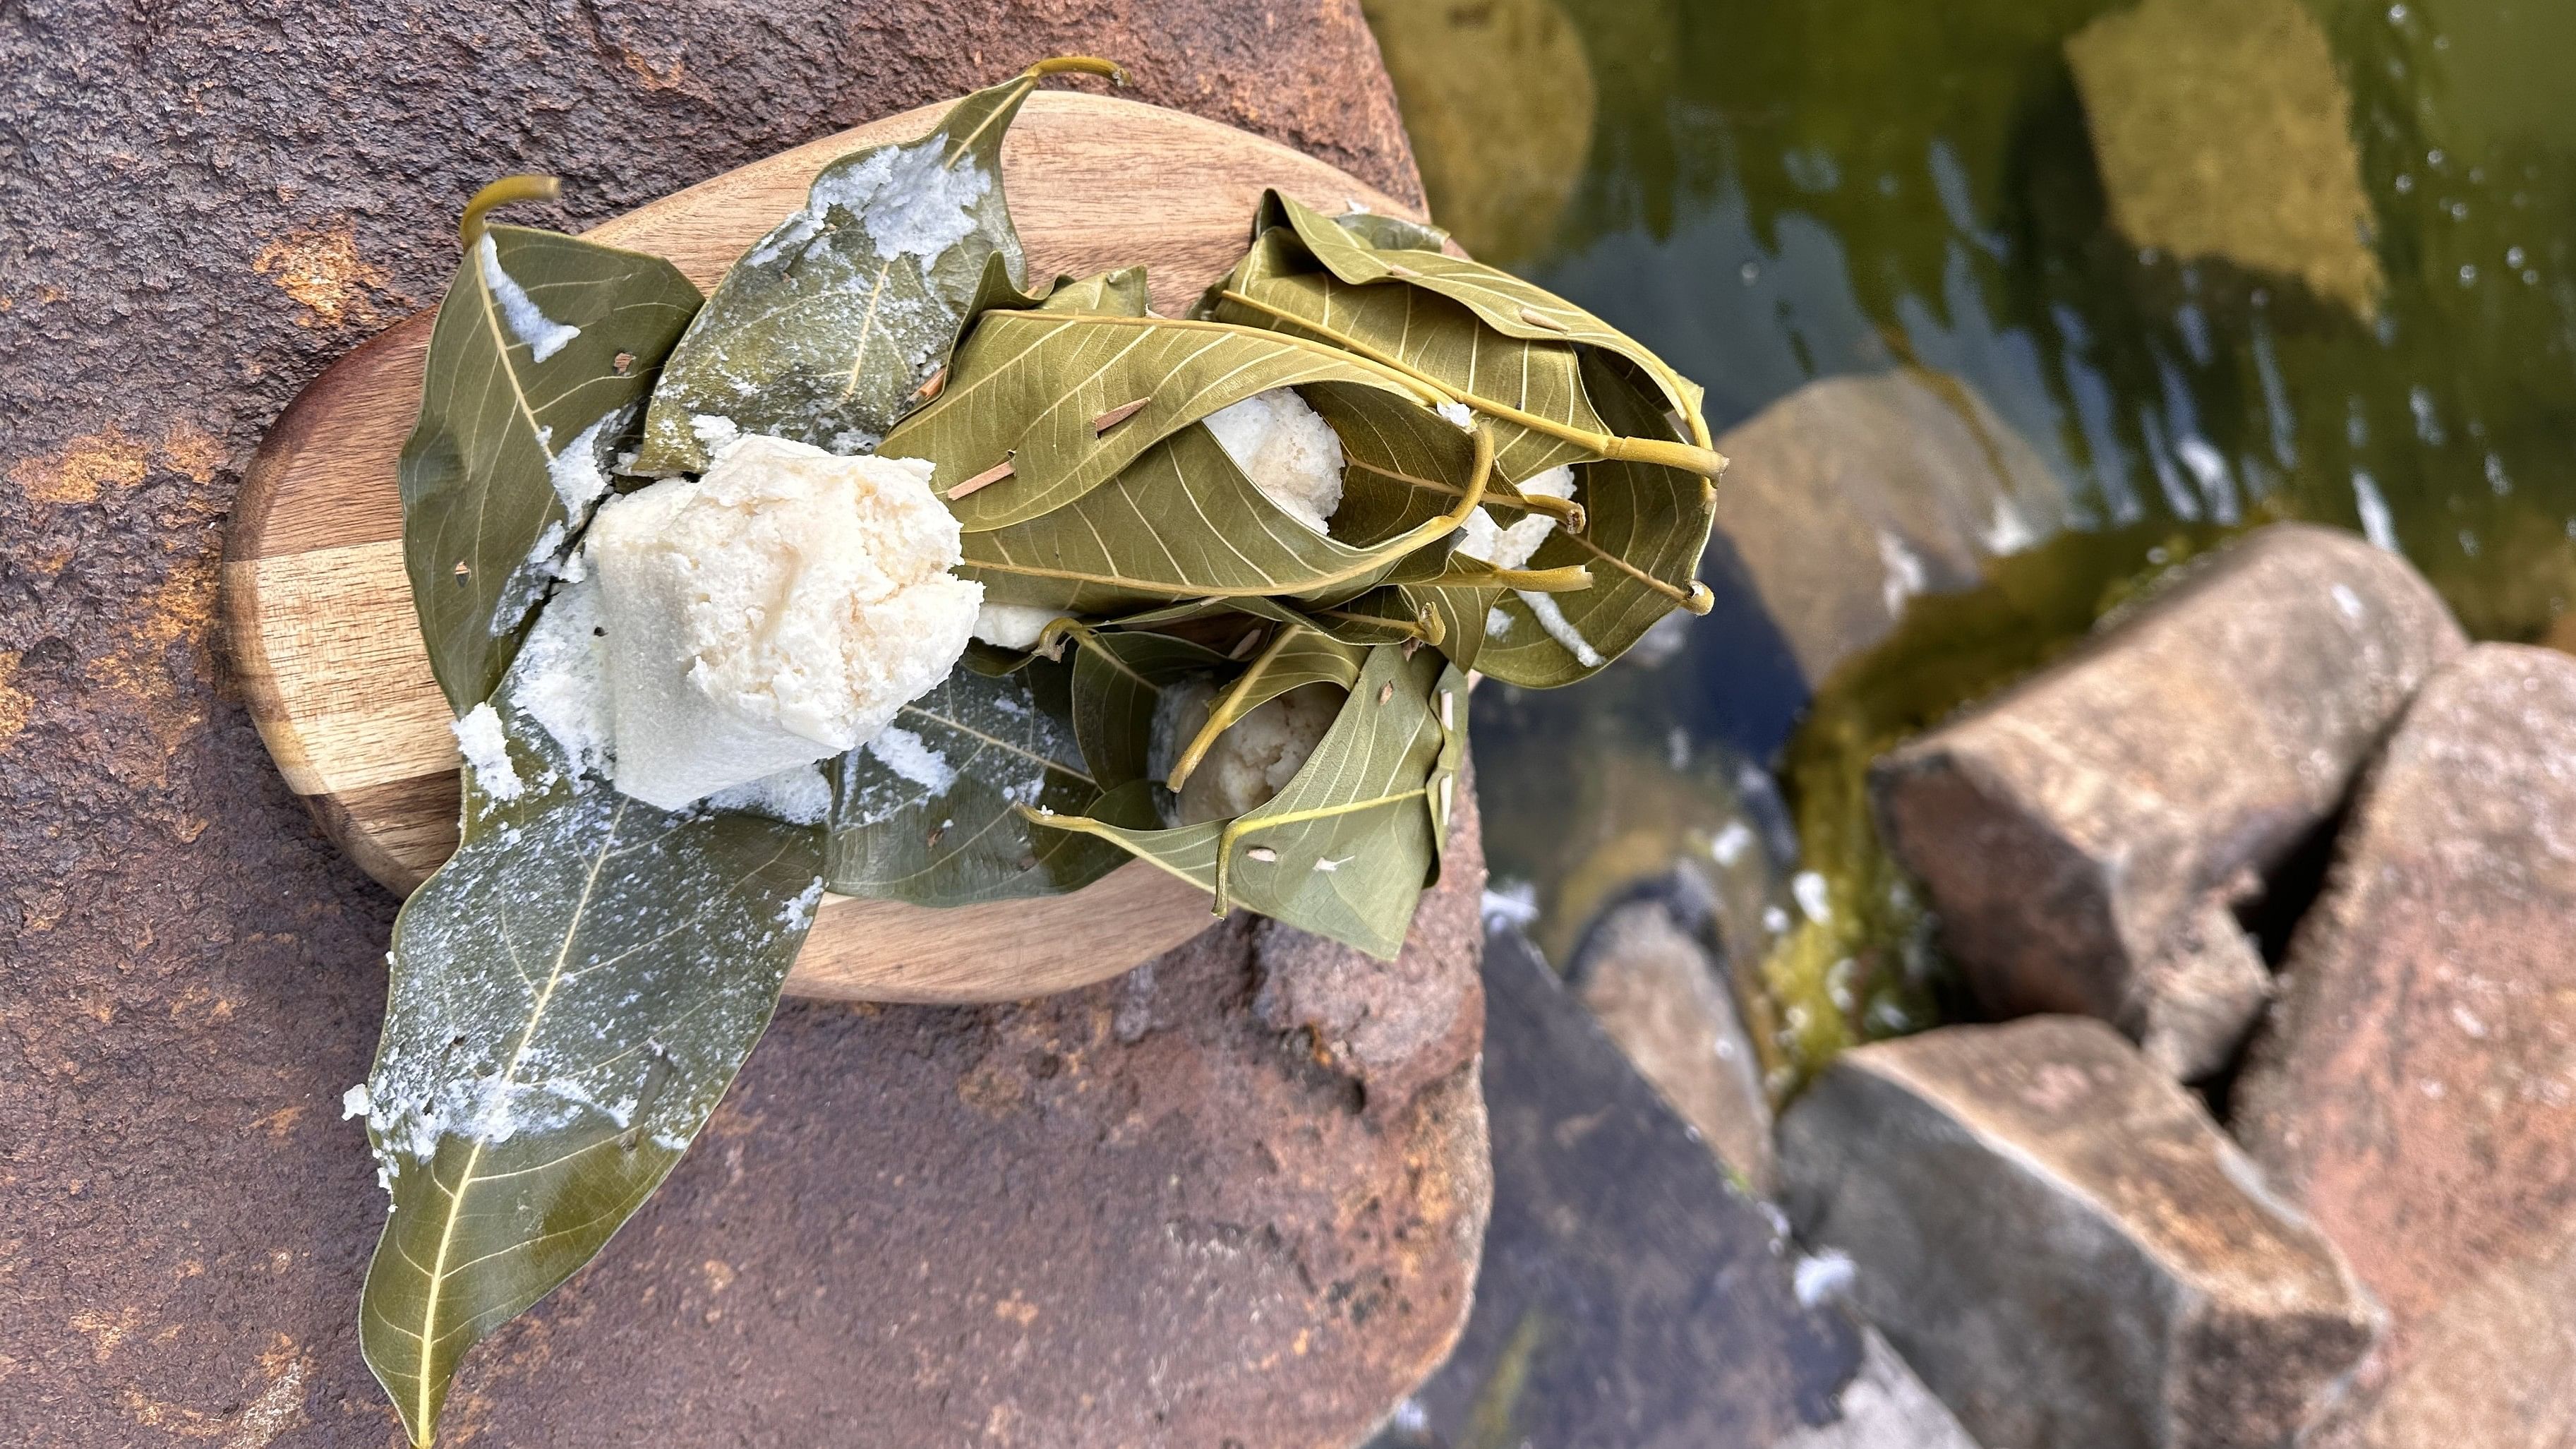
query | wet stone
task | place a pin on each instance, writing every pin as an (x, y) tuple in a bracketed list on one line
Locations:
[(2223, 132), (1647, 973), (1630, 1294), (2416, 1089), (2064, 1246), (2087, 835), (1855, 494)]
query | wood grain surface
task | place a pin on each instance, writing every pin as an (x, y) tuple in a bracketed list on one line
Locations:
[(319, 612)]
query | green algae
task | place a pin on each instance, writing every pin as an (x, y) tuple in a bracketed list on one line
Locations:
[(1869, 965)]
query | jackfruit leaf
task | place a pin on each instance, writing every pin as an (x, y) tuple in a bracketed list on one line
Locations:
[(1031, 388), (571, 994), (1648, 526), (927, 815), (1122, 293), (1389, 233), (1343, 850), (1118, 680), (1356, 250), (1276, 287), (1182, 521), (542, 352), (829, 328), (1296, 655)]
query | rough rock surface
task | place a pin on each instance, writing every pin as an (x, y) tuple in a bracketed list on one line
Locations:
[(2416, 1090), (2063, 1245), (1631, 1297), (1664, 999), (203, 206), (1853, 494), (2085, 834)]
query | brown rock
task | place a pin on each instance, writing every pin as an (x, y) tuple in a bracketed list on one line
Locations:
[(2062, 1244), (2084, 835), (1124, 1215), (2416, 1090), (1854, 494), (205, 207), (1662, 997)]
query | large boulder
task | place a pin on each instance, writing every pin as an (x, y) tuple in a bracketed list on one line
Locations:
[(2416, 1089), (2063, 1244), (1855, 494), (2085, 835), (1631, 1296), (1129, 1214), (908, 1226)]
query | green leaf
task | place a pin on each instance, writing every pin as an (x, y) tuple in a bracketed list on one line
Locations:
[(1647, 528), (1387, 233), (1452, 618), (1030, 389), (1345, 848), (1122, 293), (541, 354), (1277, 287), (1297, 655), (828, 329), (571, 995), (927, 814), (1182, 521), (1356, 250), (1118, 680)]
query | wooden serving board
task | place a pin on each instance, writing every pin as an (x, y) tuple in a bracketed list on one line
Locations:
[(319, 611)]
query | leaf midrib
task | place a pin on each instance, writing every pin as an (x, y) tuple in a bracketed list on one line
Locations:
[(436, 1287)]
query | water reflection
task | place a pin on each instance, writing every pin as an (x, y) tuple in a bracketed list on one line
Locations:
[(2207, 262)]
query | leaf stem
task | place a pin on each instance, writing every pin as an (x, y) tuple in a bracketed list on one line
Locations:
[(1078, 65), (1570, 579), (1425, 625), (1655, 451), (525, 186)]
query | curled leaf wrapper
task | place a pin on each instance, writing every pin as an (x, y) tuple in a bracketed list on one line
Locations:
[(1345, 848)]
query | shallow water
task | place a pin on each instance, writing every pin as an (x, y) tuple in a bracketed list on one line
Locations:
[(2210, 262)]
